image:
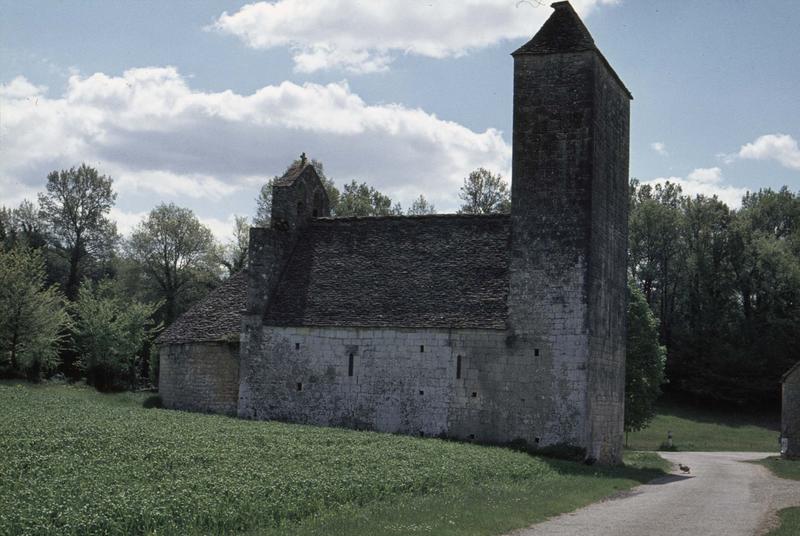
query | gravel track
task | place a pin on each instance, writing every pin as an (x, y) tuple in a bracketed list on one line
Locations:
[(723, 495)]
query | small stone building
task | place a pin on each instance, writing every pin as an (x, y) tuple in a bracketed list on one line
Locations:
[(199, 352), (790, 413), (491, 328)]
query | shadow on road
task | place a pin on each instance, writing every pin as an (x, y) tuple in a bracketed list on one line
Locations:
[(669, 479)]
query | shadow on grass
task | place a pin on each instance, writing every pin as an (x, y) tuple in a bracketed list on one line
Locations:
[(733, 417), (642, 475)]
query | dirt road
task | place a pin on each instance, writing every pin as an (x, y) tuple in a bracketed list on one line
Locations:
[(722, 495)]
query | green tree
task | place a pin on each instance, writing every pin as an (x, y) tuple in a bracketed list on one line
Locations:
[(233, 255), (34, 320), (76, 206), (111, 332), (484, 192), (644, 362), (364, 200), (421, 207), (175, 250)]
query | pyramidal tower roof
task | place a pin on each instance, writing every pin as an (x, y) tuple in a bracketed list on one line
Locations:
[(564, 32)]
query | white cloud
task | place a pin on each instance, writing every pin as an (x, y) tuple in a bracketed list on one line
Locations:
[(780, 147), (707, 182), (706, 175), (162, 140), (365, 37), (126, 221), (659, 147), (20, 88)]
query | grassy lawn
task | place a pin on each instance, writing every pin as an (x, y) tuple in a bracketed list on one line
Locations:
[(696, 429), (790, 517), (783, 468), (78, 462), (790, 523)]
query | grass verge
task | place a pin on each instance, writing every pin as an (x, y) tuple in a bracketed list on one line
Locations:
[(696, 429), (789, 517), (79, 462), (790, 523)]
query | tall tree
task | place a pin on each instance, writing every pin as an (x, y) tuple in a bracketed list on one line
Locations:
[(656, 251), (484, 192), (364, 200), (34, 320), (175, 249), (421, 207), (76, 206)]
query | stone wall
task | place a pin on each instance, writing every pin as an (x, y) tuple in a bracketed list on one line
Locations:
[(201, 376), (790, 413), (607, 270), (406, 381)]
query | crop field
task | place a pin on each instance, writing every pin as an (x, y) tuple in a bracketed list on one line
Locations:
[(78, 462)]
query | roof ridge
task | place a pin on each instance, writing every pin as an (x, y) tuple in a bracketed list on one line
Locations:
[(452, 215)]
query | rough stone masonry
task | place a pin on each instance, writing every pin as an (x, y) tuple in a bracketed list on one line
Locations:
[(490, 328)]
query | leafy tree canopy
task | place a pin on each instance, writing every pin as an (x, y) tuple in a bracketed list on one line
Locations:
[(484, 192)]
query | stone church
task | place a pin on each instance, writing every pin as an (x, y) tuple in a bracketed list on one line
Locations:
[(490, 328)]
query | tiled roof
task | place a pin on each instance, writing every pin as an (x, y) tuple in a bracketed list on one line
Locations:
[(214, 318), (397, 271)]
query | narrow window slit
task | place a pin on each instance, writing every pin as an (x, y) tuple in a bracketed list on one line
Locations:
[(458, 367), (421, 348), (299, 386), (350, 365), (474, 394), (536, 352), (297, 346)]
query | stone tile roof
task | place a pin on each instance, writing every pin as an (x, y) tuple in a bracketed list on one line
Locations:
[(402, 271), (214, 318), (565, 32)]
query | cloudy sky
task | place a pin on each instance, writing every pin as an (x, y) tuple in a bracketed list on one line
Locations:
[(199, 102)]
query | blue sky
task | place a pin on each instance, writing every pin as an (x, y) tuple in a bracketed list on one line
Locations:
[(178, 102)]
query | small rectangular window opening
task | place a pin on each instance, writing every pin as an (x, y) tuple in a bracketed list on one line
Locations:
[(474, 394), (422, 392), (472, 436), (536, 352), (535, 439), (421, 348), (350, 365), (297, 346), (458, 367), (299, 386)]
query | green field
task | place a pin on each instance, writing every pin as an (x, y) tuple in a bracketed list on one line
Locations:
[(696, 429), (78, 462)]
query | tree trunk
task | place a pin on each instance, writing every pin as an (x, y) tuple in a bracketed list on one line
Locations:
[(72, 280)]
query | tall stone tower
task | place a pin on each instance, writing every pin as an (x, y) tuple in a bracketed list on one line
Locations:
[(569, 216)]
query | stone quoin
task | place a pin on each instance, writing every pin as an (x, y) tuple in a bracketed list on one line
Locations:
[(491, 328)]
